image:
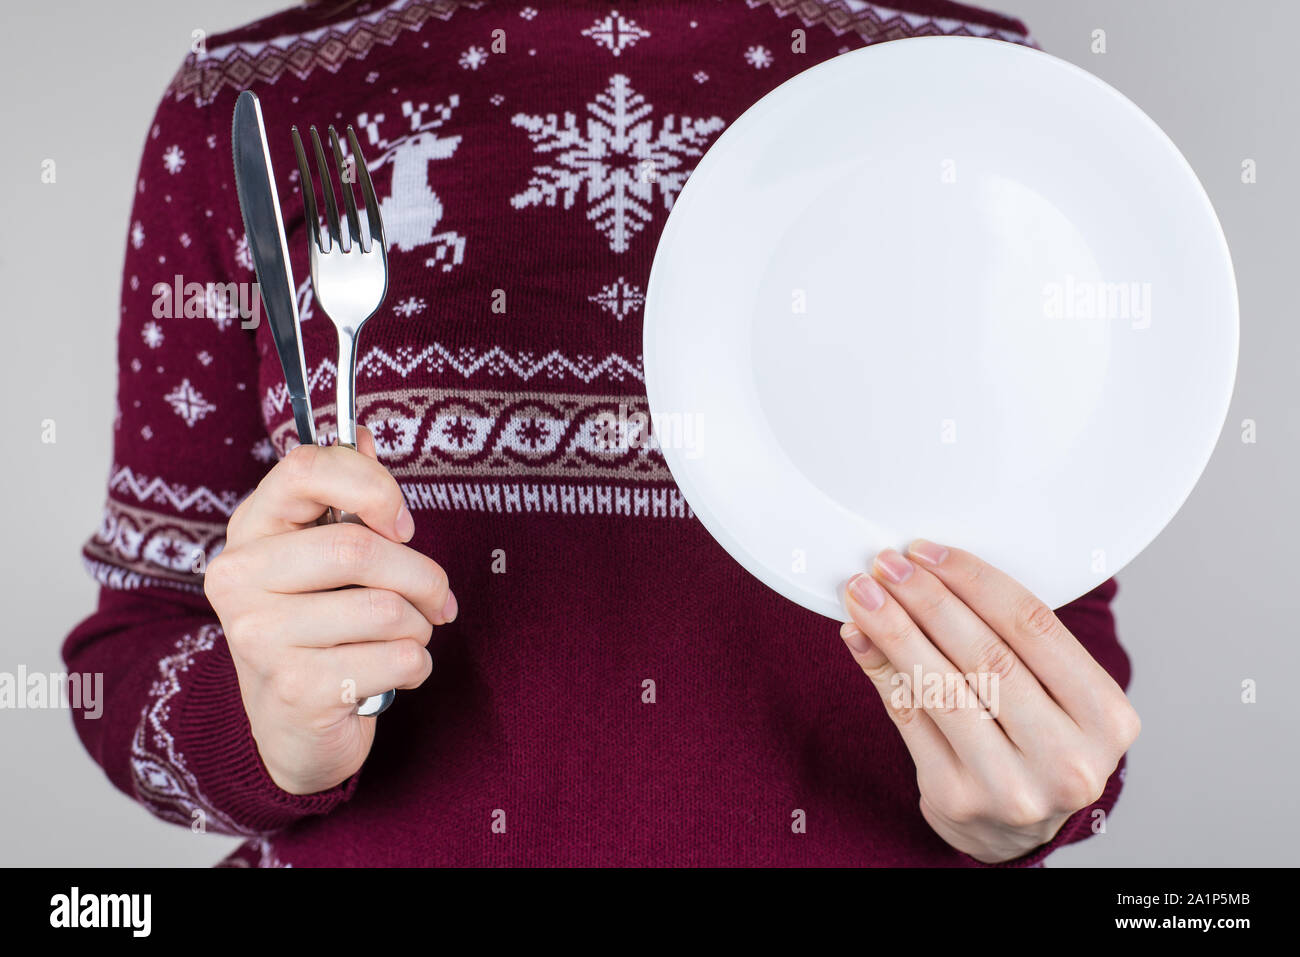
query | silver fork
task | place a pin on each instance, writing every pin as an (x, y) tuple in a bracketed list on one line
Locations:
[(349, 275)]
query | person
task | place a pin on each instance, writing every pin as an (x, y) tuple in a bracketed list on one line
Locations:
[(584, 676)]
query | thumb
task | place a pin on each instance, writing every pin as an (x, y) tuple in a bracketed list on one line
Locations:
[(366, 443)]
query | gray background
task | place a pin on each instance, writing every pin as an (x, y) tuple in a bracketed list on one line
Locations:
[(1212, 602)]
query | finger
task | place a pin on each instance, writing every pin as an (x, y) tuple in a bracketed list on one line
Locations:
[(349, 615), (312, 478), (924, 741), (1062, 666), (333, 556), (347, 674), (934, 683), (366, 443), (1009, 690)]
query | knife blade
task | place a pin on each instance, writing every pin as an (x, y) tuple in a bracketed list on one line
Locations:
[(259, 204)]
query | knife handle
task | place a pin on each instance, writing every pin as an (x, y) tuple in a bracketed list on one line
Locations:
[(376, 704)]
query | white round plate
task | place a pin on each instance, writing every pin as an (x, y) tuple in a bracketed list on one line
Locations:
[(947, 288)]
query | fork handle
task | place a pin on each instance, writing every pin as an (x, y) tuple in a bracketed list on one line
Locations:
[(376, 704), (346, 419)]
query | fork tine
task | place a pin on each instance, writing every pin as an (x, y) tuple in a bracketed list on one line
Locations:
[(368, 193), (327, 190), (308, 189), (349, 198)]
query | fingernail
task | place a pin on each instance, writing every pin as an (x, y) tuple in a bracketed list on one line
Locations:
[(928, 551), (450, 608), (866, 591), (854, 638), (405, 524), (896, 568)]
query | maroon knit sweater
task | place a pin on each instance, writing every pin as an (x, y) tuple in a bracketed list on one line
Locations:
[(580, 570)]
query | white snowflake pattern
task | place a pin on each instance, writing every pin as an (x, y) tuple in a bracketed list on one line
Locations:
[(152, 335), (621, 298), (528, 13), (372, 76), (211, 141), (185, 240), (759, 57), (135, 283), (136, 365), (497, 99), (473, 58), (188, 403), (410, 306), (615, 159), (264, 451), (137, 234), (220, 309), (243, 255), (615, 32), (146, 433), (205, 357), (701, 77), (174, 159)]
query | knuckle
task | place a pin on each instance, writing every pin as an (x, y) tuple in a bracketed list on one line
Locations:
[(438, 578), (407, 655), (385, 608), (291, 686), (223, 576), (994, 657), (242, 635), (257, 627), (350, 547), (238, 517), (380, 492), (242, 508), (411, 660), (251, 636), (1034, 619), (899, 702), (1022, 807), (972, 573), (947, 699), (880, 672), (214, 581), (899, 630), (436, 582), (1077, 783), (957, 804), (1125, 724), (902, 714), (424, 631), (298, 467), (933, 601)]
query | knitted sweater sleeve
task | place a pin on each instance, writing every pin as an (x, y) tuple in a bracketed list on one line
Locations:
[(189, 443)]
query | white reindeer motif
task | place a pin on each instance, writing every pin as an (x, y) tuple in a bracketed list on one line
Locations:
[(412, 209)]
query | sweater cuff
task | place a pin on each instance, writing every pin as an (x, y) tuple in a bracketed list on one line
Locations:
[(213, 736), (1076, 827)]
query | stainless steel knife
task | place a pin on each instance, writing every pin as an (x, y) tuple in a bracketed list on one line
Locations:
[(260, 206)]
